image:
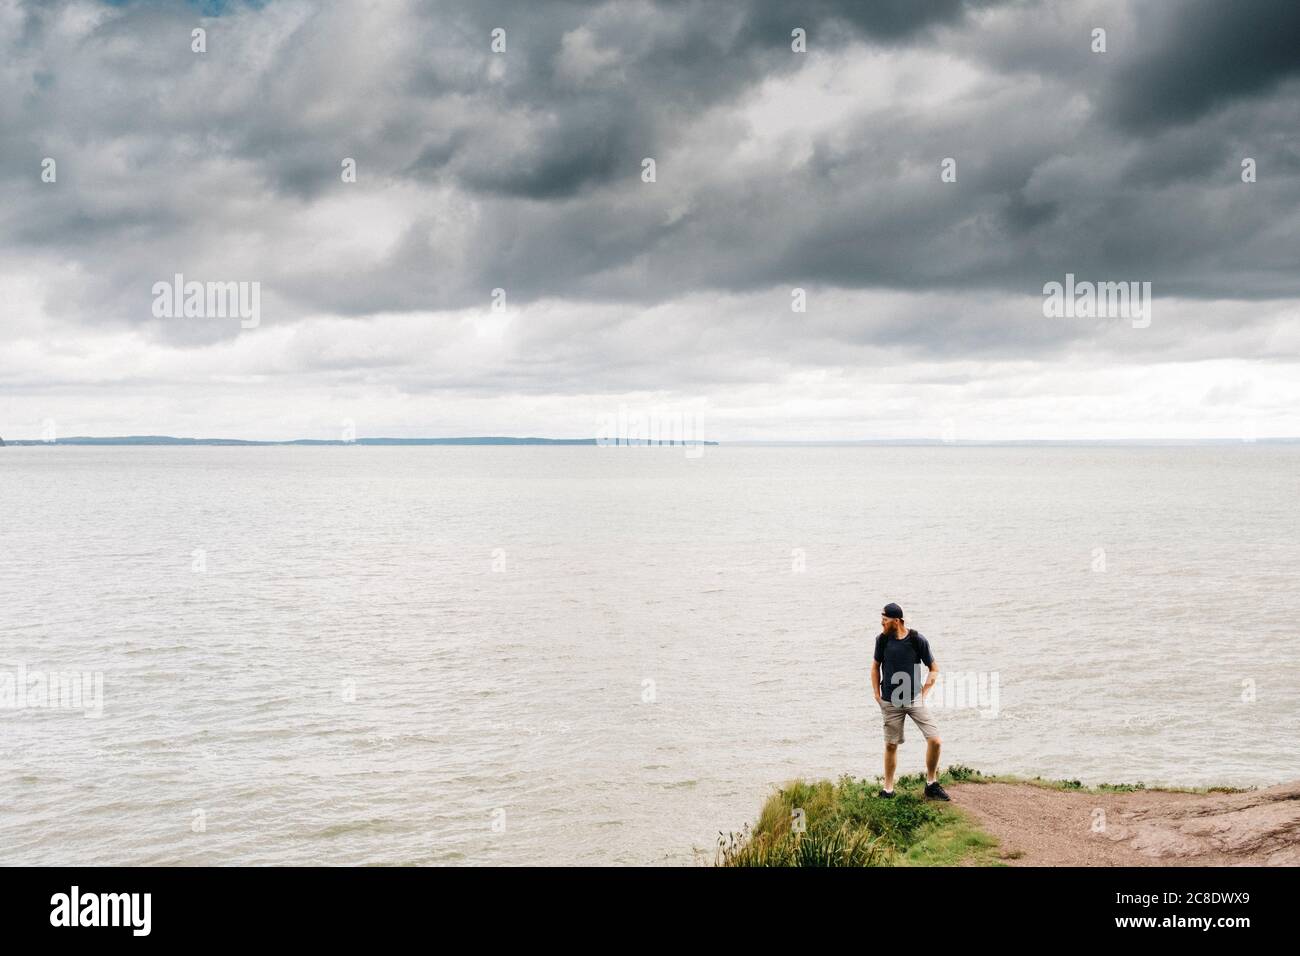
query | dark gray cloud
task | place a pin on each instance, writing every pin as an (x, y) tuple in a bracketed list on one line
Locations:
[(775, 169), (1199, 55)]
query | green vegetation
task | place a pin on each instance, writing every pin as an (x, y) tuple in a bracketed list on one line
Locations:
[(848, 824)]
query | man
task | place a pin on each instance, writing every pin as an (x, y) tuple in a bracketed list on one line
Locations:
[(900, 652)]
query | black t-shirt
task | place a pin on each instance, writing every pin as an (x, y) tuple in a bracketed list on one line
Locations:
[(900, 662)]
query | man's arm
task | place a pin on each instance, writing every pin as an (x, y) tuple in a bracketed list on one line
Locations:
[(875, 679), (932, 670), (932, 666)]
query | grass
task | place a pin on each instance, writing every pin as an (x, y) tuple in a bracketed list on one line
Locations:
[(847, 824)]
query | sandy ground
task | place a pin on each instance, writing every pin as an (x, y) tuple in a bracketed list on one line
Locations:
[(1037, 826)]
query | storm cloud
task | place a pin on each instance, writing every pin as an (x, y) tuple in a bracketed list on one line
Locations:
[(520, 168)]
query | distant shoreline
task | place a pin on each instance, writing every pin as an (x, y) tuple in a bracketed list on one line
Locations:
[(168, 440)]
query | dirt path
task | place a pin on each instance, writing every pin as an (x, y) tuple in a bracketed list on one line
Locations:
[(1038, 826)]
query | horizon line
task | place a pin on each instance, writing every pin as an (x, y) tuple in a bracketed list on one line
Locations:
[(137, 440)]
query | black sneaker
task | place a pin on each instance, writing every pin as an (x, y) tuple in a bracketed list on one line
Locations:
[(886, 793), (935, 792)]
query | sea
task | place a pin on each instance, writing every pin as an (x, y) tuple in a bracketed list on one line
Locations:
[(347, 655)]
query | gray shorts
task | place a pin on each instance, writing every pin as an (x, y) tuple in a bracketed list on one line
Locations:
[(894, 715)]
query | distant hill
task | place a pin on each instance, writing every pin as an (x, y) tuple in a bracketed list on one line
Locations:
[(169, 440)]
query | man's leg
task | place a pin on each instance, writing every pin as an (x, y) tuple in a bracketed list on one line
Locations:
[(921, 717), (932, 745), (893, 717)]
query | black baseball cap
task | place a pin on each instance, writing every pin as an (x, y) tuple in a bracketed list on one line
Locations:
[(893, 610)]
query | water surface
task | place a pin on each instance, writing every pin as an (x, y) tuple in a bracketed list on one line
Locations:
[(605, 655)]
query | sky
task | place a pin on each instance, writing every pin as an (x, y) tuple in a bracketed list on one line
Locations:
[(504, 264)]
